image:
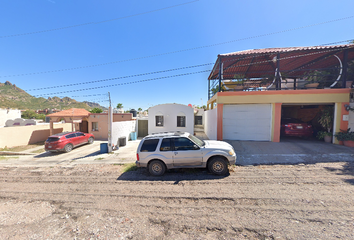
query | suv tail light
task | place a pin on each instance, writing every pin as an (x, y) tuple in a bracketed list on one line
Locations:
[(137, 156)]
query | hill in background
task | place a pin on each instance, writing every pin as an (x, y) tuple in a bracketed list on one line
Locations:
[(13, 97)]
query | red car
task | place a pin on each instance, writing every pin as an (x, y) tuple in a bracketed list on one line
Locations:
[(295, 127), (66, 141)]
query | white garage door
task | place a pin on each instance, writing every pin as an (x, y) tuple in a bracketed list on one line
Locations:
[(247, 122)]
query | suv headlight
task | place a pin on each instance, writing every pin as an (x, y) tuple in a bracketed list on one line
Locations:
[(231, 152)]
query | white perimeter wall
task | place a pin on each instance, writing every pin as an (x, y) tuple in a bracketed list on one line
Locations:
[(211, 124), (170, 113), (6, 114), (122, 129)]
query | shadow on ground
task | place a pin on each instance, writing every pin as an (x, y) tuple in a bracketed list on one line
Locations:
[(347, 169), (174, 175)]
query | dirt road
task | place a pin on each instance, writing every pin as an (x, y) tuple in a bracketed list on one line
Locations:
[(99, 202)]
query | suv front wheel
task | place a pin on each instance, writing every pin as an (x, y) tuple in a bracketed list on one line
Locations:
[(218, 166), (157, 168)]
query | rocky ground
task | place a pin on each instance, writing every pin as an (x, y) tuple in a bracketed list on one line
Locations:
[(100, 202)]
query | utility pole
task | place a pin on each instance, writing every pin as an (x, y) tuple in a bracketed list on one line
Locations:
[(110, 124)]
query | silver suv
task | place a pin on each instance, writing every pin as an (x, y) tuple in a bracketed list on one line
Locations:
[(162, 151)]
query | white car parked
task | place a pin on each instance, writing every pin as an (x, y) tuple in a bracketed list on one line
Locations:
[(162, 151)]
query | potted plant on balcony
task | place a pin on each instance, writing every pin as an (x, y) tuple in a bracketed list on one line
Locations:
[(326, 121), (347, 137)]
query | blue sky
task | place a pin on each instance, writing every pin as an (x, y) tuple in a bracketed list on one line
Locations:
[(53, 43)]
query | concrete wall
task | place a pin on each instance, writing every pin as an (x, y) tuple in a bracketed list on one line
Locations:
[(200, 112), (170, 113), (20, 122), (6, 114), (122, 129), (210, 124), (24, 135), (102, 120)]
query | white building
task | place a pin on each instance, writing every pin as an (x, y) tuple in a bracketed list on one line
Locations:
[(6, 114), (171, 117)]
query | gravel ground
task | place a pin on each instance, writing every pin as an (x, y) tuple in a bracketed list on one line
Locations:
[(254, 202)]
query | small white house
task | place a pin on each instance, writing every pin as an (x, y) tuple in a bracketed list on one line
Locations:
[(6, 114), (171, 117)]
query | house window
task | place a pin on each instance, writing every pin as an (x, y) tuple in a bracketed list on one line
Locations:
[(159, 121), (198, 120), (94, 126), (181, 121)]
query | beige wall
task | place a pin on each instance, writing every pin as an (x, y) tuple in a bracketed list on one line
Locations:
[(102, 120), (23, 135)]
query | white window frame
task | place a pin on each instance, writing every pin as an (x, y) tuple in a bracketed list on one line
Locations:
[(156, 121), (94, 128)]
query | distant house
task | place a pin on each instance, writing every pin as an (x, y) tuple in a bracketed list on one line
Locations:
[(170, 117), (7, 114), (96, 123)]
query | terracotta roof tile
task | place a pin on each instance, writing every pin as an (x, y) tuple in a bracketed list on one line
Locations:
[(77, 112), (284, 50)]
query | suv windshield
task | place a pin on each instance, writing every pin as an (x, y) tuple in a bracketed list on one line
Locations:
[(199, 142)]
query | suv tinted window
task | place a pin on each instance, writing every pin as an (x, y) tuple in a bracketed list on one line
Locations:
[(79, 134), (166, 144), (149, 145), (184, 144)]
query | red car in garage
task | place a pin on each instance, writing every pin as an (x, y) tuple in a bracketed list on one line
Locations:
[(295, 127), (66, 141)]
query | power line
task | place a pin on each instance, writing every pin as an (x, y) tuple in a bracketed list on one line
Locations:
[(183, 50), (183, 74), (99, 22), (126, 83), (130, 76)]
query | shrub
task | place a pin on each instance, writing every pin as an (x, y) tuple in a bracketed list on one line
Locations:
[(345, 135)]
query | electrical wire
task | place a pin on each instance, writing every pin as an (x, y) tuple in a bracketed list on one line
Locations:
[(184, 74), (126, 83), (130, 76), (99, 22)]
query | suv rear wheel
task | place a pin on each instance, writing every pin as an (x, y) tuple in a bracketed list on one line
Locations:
[(218, 166), (157, 168)]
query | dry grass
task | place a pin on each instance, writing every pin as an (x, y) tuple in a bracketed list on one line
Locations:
[(22, 148)]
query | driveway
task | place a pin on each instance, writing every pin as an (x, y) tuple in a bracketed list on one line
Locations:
[(86, 154), (290, 151)]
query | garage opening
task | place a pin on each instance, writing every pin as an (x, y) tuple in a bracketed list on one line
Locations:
[(303, 122)]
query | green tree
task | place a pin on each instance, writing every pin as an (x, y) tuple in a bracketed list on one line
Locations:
[(119, 105), (96, 110), (29, 114), (140, 109)]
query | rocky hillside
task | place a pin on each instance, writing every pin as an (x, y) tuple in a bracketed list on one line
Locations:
[(13, 97)]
